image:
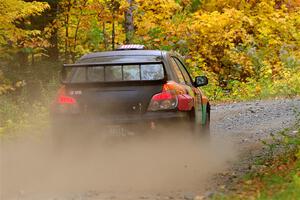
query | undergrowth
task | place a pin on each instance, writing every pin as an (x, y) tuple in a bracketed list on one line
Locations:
[(287, 86), (25, 110), (278, 176)]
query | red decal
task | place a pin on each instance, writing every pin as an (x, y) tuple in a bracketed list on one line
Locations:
[(185, 102)]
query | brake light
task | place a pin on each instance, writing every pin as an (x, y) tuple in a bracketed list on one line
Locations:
[(166, 100), (66, 100), (62, 97), (65, 103), (173, 96), (162, 96)]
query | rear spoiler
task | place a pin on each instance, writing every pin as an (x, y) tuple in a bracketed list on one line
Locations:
[(63, 73), (110, 64)]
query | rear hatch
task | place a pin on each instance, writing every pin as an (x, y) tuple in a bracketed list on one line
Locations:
[(110, 90)]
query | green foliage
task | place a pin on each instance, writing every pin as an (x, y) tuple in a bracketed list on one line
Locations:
[(282, 179), (288, 85), (95, 37), (20, 112)]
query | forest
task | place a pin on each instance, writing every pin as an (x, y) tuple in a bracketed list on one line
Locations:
[(249, 49)]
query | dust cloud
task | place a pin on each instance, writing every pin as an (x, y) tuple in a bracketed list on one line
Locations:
[(36, 169)]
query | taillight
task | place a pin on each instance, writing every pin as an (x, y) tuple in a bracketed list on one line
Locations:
[(173, 96), (165, 100), (66, 100), (65, 103)]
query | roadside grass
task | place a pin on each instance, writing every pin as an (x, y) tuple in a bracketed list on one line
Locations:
[(277, 175), (22, 112), (279, 180), (20, 118)]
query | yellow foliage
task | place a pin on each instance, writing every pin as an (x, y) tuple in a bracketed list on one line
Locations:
[(227, 40), (237, 39), (153, 14), (12, 10)]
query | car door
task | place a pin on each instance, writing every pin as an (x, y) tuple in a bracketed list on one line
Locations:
[(185, 79)]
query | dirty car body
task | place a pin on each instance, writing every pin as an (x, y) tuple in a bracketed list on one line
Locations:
[(129, 87)]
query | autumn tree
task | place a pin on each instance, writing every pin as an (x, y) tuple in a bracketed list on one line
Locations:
[(228, 40), (14, 37), (236, 40), (129, 23), (13, 13)]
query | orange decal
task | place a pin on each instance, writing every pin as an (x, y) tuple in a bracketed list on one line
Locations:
[(204, 100)]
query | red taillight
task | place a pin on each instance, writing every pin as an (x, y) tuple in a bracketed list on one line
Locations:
[(162, 96), (66, 100), (163, 101), (62, 97), (173, 96), (65, 103), (166, 100)]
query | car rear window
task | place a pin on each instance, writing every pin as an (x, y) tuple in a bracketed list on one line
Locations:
[(121, 59), (133, 72)]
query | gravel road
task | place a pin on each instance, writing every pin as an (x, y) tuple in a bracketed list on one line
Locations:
[(251, 121), (168, 169)]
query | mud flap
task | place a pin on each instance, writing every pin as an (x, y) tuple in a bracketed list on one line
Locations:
[(204, 115), (200, 121), (198, 115)]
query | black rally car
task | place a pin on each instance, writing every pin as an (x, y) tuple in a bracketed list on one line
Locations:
[(130, 86)]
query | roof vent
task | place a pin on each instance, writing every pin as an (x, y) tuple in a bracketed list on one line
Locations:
[(131, 47)]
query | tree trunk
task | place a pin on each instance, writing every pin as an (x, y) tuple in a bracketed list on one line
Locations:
[(104, 36), (22, 58), (53, 49), (67, 43), (113, 32), (129, 25), (32, 59), (77, 28)]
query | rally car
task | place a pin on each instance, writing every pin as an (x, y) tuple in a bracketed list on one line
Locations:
[(127, 87)]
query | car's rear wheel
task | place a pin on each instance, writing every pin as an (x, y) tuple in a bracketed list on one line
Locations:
[(198, 129)]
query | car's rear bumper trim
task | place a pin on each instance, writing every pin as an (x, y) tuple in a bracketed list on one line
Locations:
[(119, 119)]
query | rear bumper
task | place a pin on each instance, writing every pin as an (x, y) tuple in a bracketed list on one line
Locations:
[(156, 117)]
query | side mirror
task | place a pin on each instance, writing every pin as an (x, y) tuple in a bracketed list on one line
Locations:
[(200, 81)]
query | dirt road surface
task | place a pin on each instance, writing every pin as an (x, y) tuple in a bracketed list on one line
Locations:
[(167, 167)]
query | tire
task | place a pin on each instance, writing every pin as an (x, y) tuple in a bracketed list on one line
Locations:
[(205, 129), (200, 130)]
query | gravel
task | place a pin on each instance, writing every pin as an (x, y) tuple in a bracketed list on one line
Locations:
[(253, 120)]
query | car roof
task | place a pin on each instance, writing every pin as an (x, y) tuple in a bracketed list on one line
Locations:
[(124, 53)]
